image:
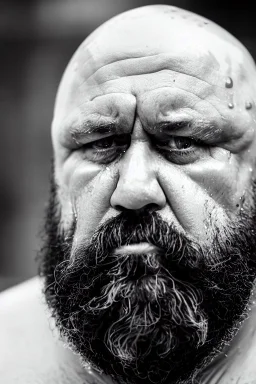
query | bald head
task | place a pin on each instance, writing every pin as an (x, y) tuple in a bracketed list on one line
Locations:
[(155, 38)]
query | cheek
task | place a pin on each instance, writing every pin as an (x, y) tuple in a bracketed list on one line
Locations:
[(225, 182), (73, 178), (91, 187), (203, 196), (193, 209)]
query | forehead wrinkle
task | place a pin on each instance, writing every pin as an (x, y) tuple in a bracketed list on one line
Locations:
[(149, 64), (136, 84)]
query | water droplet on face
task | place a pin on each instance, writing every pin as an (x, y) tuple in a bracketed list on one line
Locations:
[(206, 22), (107, 168), (248, 105), (229, 82), (250, 169), (230, 105)]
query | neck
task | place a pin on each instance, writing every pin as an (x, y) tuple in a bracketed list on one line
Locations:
[(237, 362)]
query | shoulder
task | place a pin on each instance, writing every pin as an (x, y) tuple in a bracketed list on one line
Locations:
[(28, 348), (21, 312)]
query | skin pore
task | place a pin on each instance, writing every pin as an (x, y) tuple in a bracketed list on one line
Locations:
[(155, 116)]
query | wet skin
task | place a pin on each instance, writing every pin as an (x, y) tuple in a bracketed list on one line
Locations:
[(156, 108)]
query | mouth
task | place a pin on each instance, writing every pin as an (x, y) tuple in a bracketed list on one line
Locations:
[(138, 248)]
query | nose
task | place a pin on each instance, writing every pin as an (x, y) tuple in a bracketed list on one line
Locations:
[(137, 185)]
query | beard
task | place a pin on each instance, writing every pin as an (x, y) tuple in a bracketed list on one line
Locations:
[(159, 317)]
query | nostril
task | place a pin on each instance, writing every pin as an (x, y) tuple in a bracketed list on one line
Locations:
[(120, 208), (149, 208)]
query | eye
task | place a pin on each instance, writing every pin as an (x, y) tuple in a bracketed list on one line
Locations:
[(179, 143), (109, 142), (181, 150), (103, 143), (107, 149)]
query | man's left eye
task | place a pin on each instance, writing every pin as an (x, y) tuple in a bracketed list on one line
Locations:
[(177, 143), (182, 150)]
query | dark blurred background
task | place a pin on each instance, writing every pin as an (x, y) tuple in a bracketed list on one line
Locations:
[(37, 38)]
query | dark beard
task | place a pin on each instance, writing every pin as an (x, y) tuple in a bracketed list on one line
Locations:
[(147, 318)]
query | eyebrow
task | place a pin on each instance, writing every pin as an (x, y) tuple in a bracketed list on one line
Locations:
[(171, 126), (88, 129), (199, 131)]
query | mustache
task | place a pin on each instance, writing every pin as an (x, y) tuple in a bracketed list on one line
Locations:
[(129, 228)]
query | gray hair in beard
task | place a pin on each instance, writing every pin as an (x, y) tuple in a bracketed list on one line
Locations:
[(152, 316), (146, 302)]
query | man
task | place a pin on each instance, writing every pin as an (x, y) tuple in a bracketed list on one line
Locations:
[(149, 257)]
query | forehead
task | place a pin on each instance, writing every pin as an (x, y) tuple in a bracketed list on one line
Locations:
[(155, 66)]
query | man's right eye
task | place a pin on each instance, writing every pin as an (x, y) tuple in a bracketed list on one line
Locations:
[(107, 149), (107, 142)]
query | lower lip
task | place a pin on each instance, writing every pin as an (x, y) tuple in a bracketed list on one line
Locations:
[(136, 248)]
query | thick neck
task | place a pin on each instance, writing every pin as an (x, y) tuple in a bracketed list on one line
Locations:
[(237, 362)]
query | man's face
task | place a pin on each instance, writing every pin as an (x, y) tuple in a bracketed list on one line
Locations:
[(149, 258)]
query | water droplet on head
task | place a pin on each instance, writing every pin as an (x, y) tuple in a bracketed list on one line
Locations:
[(248, 105), (230, 105), (107, 168), (206, 22), (229, 82)]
